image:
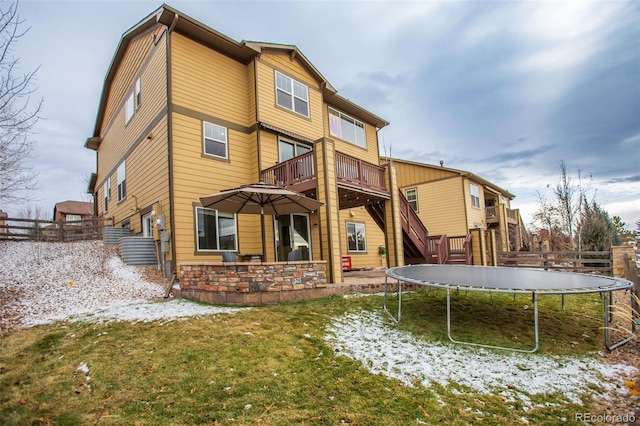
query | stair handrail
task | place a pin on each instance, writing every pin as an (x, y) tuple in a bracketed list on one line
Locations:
[(468, 250), (413, 225), (442, 249)]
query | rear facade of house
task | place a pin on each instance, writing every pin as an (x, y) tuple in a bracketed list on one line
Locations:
[(186, 112)]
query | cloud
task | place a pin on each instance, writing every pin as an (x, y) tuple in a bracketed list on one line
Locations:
[(626, 179), (374, 89)]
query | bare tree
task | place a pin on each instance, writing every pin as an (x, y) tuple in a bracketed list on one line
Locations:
[(19, 113), (564, 190)]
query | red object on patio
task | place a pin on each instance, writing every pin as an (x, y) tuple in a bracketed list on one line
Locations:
[(346, 263)]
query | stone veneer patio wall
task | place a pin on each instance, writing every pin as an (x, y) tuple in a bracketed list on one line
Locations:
[(249, 283)]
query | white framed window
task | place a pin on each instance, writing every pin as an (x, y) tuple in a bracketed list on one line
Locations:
[(215, 230), (347, 128), (132, 103), (291, 94), (106, 189), (475, 195), (215, 140), (122, 181), (356, 237), (288, 149), (412, 198), (73, 218)]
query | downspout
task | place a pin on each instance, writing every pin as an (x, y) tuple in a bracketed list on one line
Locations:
[(172, 214)]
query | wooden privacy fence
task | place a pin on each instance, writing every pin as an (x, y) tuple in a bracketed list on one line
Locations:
[(571, 261), (53, 230)]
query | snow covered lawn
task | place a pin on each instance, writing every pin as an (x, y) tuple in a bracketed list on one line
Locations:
[(382, 349), (44, 282)]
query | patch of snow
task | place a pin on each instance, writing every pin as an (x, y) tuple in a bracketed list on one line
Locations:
[(153, 311), (367, 337), (82, 281)]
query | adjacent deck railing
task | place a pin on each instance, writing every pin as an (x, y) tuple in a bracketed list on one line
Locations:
[(354, 171), (491, 214), (460, 247)]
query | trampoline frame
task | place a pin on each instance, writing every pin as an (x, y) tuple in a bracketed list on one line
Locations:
[(605, 290)]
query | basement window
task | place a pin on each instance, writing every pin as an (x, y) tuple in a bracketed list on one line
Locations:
[(356, 237)]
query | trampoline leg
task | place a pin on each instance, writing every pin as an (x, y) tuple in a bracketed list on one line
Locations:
[(399, 293), (608, 316), (535, 328)]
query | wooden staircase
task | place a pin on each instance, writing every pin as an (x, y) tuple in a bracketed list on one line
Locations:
[(418, 246)]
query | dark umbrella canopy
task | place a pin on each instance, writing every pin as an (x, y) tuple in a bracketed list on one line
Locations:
[(260, 198)]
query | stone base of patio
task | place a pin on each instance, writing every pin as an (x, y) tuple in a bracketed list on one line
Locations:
[(253, 284)]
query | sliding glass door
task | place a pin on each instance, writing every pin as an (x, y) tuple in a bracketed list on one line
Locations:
[(292, 233)]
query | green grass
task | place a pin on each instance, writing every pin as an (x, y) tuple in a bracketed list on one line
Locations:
[(270, 365), (502, 320)]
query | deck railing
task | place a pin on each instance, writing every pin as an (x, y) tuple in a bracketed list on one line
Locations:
[(461, 246), (291, 173), (438, 249), (355, 171), (299, 174)]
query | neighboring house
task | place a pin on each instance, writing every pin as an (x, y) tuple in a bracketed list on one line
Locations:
[(186, 112), (453, 202), (73, 211)]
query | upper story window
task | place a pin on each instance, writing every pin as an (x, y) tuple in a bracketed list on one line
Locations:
[(133, 102), (349, 129), (412, 198), (475, 195), (122, 181), (292, 94), (107, 193), (215, 140), (215, 230)]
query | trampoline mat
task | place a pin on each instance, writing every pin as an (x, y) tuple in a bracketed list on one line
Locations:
[(515, 280)]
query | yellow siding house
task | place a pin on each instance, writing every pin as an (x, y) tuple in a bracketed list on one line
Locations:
[(457, 203), (187, 112)]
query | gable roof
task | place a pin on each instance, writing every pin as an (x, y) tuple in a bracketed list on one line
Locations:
[(82, 208), (488, 185), (244, 52)]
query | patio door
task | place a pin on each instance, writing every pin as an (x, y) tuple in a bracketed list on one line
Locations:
[(292, 233)]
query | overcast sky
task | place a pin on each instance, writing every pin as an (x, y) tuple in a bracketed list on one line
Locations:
[(505, 90)]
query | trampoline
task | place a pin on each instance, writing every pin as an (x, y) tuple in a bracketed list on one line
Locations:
[(494, 279)]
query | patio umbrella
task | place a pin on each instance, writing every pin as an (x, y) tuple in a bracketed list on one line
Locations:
[(260, 198)]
